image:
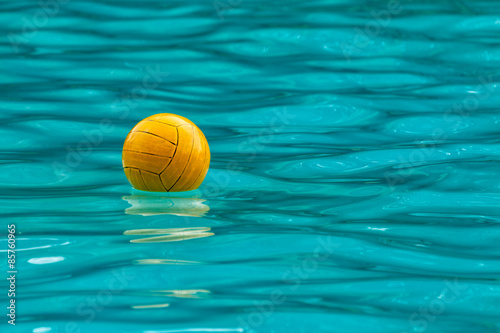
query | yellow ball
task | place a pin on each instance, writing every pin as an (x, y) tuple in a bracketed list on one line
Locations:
[(165, 153)]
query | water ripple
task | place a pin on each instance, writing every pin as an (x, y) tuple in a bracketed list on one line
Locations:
[(353, 184)]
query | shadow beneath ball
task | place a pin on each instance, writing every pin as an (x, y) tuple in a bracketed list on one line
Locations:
[(153, 203)]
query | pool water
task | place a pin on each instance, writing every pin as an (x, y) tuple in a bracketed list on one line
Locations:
[(355, 175)]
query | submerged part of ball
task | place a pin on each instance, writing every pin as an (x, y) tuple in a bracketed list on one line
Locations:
[(166, 153)]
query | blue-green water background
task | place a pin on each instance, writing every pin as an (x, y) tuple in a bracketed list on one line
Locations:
[(354, 183)]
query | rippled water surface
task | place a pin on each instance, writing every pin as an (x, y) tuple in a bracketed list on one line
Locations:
[(354, 183)]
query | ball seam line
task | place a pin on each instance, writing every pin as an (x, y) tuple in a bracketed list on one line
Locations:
[(141, 152), (155, 135), (162, 185), (161, 182), (143, 181), (128, 167), (172, 158), (187, 162)]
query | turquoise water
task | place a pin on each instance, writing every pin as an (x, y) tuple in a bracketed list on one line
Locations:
[(354, 183)]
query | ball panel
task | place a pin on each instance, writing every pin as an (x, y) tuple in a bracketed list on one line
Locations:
[(180, 160), (164, 131), (135, 178), (153, 181), (204, 170), (148, 144), (194, 165), (145, 162)]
